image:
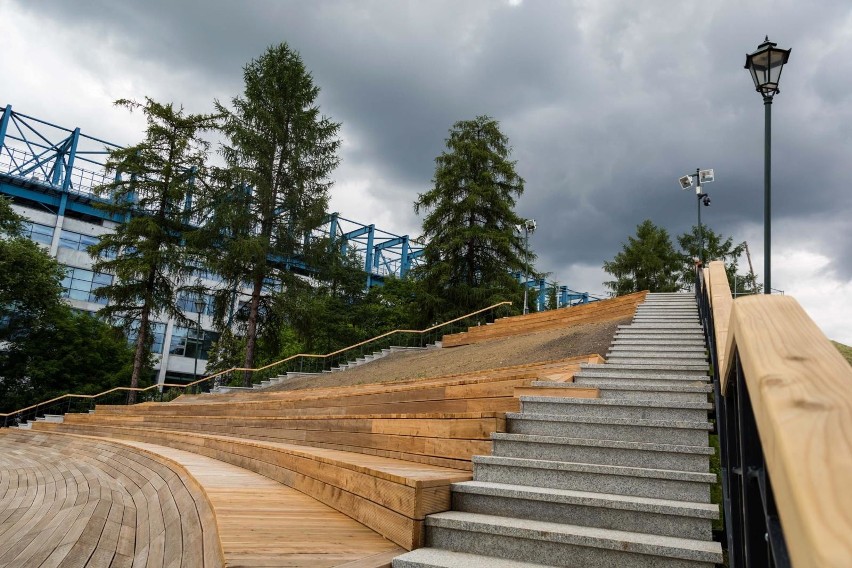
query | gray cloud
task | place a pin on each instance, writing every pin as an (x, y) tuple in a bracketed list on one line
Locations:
[(605, 103)]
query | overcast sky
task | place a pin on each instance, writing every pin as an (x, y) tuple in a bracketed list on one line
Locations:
[(606, 103)]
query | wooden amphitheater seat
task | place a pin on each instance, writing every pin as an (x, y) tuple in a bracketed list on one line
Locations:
[(66, 501), (595, 312)]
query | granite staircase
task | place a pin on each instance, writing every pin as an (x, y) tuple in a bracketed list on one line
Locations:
[(621, 480)]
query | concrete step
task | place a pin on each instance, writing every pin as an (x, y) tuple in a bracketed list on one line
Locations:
[(614, 378), (54, 418), (662, 333), (688, 326), (686, 354), (618, 480), (565, 545), (671, 363), (663, 342), (600, 510), (25, 426), (687, 350), (616, 408), (602, 452), (685, 393), (643, 369), (677, 432), (438, 558)]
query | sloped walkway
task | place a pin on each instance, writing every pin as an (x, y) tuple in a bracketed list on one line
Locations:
[(621, 480)]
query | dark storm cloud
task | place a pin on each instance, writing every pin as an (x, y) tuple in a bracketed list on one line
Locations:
[(605, 103)]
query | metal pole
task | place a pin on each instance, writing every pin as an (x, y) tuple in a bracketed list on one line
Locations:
[(700, 228), (526, 264), (767, 197), (198, 342)]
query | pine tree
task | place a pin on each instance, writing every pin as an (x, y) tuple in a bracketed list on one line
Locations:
[(470, 224), (716, 247), (152, 192), (274, 191), (647, 261)]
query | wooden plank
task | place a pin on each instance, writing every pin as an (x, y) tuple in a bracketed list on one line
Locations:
[(799, 386), (721, 303)]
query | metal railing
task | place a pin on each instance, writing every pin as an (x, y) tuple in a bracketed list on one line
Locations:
[(301, 363), (753, 534)]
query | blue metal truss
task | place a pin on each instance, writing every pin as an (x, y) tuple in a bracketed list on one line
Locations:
[(57, 168)]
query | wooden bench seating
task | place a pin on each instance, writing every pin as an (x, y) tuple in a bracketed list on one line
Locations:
[(604, 310), (388, 495), (384, 454), (73, 502)]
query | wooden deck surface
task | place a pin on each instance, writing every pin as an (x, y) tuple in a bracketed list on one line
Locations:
[(264, 523)]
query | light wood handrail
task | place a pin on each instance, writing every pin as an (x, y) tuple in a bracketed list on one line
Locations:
[(800, 389), (290, 358), (721, 302)]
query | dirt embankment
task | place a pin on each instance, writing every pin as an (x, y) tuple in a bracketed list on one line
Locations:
[(516, 350)]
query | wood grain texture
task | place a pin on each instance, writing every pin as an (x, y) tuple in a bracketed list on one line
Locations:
[(801, 392), (721, 303)]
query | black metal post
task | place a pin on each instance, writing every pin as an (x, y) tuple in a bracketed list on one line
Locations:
[(767, 196), (700, 228)]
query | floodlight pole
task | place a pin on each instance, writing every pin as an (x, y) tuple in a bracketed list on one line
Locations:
[(526, 265), (767, 195), (700, 228)]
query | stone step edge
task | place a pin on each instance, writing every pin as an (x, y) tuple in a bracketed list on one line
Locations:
[(613, 444), (589, 499), (621, 541), (427, 557), (655, 388), (639, 422), (616, 402)]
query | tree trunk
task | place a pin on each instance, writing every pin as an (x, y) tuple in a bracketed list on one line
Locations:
[(251, 329), (139, 356)]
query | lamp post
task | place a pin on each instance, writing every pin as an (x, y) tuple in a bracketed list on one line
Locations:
[(199, 307), (705, 176), (765, 65), (527, 227)]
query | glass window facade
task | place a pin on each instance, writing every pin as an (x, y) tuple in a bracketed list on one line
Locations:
[(158, 335), (186, 342), (39, 233), (76, 241), (80, 284), (186, 302)]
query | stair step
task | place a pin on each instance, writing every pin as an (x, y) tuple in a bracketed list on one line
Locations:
[(439, 558), (614, 377), (677, 432), (659, 334), (600, 510), (685, 393), (616, 408), (602, 452), (658, 353), (672, 363), (646, 370), (687, 350), (666, 342), (565, 545)]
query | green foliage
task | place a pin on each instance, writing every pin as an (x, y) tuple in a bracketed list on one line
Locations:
[(716, 247), (470, 223), (10, 222), (274, 191), (647, 261), (845, 350), (147, 252), (64, 352)]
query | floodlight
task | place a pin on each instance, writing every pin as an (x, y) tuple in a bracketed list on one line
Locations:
[(705, 176), (685, 182)]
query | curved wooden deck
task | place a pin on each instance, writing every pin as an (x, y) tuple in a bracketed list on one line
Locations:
[(67, 501)]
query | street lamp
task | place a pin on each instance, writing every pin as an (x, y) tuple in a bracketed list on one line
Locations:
[(527, 227), (765, 66), (199, 307), (705, 176)]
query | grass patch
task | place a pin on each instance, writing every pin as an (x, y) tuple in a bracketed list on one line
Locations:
[(845, 350)]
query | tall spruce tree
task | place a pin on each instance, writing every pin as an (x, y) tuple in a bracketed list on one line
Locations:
[(274, 191), (716, 247), (647, 261), (152, 192), (470, 224)]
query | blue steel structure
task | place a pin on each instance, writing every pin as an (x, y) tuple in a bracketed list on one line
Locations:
[(57, 168)]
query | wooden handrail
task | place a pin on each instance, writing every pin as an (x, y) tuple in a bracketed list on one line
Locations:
[(290, 358), (800, 389)]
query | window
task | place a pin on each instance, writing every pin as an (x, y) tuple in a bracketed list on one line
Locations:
[(39, 233), (186, 302), (158, 335), (76, 241), (185, 342), (80, 284)]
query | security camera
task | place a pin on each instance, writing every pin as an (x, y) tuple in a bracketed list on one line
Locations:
[(706, 201), (685, 182)]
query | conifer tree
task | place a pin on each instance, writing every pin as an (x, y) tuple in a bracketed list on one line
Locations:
[(470, 223), (280, 152), (152, 192), (647, 261)]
